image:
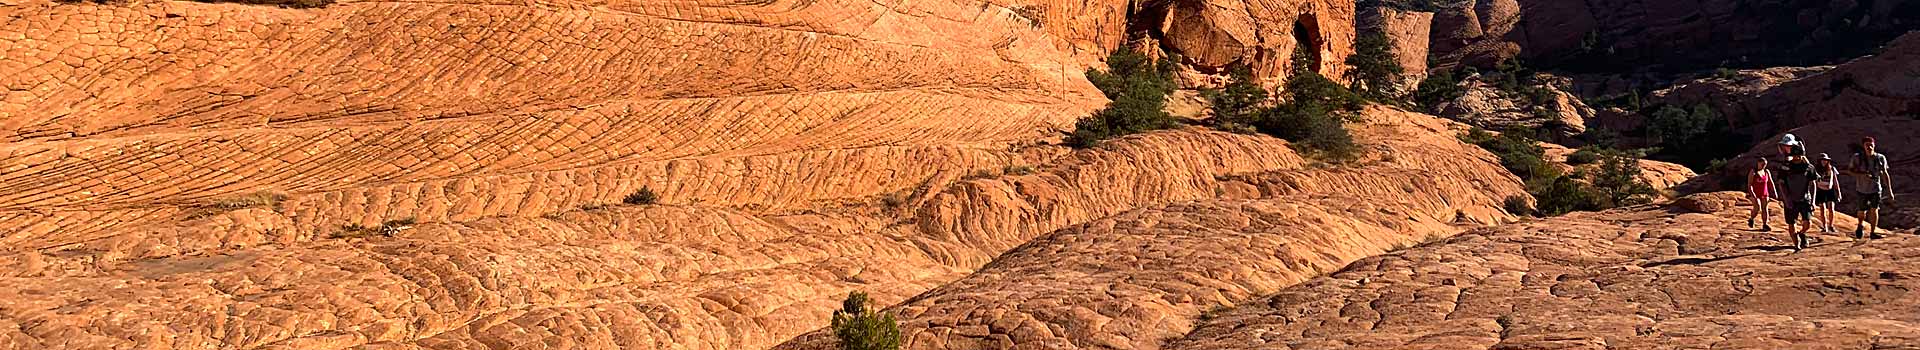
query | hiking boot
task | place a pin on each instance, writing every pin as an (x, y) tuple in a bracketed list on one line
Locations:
[(1749, 223), (1766, 228), (1858, 233)]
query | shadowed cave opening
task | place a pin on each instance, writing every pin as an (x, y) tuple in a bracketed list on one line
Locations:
[(1309, 43)]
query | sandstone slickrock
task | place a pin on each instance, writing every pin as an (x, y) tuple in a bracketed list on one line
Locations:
[(1642, 278), (1137, 279), (182, 174)]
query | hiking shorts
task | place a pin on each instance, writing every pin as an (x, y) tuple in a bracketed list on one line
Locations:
[(1869, 201), (1799, 209), (1825, 196)]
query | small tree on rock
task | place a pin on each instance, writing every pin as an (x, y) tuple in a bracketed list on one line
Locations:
[(861, 329), (1376, 71)]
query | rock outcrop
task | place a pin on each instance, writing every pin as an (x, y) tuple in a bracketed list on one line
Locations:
[(1213, 34), (1665, 35), (1536, 104), (1137, 279), (1886, 84), (1408, 34), (1645, 278)]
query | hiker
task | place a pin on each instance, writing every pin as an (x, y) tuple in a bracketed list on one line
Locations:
[(1826, 191), (1796, 184), (1760, 193), (1872, 184)]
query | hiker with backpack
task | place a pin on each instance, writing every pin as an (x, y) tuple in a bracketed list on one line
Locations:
[(1796, 183), (1874, 186)]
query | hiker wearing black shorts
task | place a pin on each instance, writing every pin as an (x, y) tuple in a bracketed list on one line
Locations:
[(1795, 182), (1826, 191)]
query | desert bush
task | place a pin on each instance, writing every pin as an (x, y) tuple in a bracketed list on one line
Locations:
[(1517, 205), (1313, 129), (1138, 87), (1239, 103), (1586, 155), (1618, 181), (1017, 170), (859, 328), (644, 196), (1376, 71), (1693, 137), (1439, 87)]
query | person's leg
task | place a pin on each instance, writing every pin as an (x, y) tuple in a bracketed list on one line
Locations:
[(1755, 211)]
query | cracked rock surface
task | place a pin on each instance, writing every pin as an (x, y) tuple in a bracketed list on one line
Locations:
[(1649, 277)]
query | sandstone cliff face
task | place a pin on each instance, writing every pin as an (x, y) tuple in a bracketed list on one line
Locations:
[(1886, 84), (1262, 34), (1408, 35), (1645, 278), (1678, 35)]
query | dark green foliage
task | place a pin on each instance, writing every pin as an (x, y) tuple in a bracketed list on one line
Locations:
[(1438, 88), (1726, 73), (861, 329), (1586, 155), (1315, 89), (1239, 102), (643, 196), (1318, 132), (1310, 117), (1376, 71), (1517, 205), (1138, 87), (1615, 184), (1563, 194), (1692, 137), (1619, 183)]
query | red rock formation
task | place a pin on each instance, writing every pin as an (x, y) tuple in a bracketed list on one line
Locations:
[(1139, 278), (1212, 34), (1683, 35)]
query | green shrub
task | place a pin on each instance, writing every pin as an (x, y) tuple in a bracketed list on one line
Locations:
[(1439, 87), (1554, 192), (858, 328), (1562, 194), (1517, 205), (1239, 102), (1017, 170), (1726, 73), (1376, 71), (1313, 129), (644, 196), (1693, 137), (1314, 89), (1619, 182), (1138, 88), (1586, 155)]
